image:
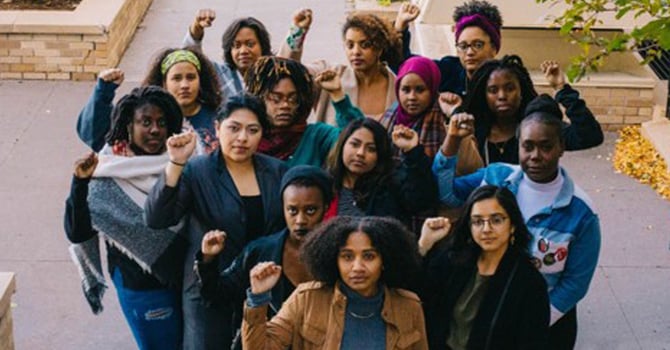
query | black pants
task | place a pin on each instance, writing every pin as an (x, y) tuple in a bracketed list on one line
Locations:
[(563, 334)]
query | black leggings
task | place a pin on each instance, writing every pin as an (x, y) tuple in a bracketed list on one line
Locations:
[(563, 333)]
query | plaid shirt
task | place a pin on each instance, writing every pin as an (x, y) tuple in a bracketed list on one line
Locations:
[(432, 132), (431, 129)]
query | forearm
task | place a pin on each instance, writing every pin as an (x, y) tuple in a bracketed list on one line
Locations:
[(292, 46), (77, 219), (419, 188), (579, 269), (258, 333), (193, 38), (584, 130), (162, 208), (346, 112), (94, 120)]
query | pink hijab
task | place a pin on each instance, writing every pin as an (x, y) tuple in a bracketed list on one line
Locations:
[(428, 71)]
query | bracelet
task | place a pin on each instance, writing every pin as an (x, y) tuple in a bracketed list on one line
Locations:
[(177, 164)]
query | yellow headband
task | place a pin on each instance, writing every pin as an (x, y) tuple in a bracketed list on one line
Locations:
[(179, 56)]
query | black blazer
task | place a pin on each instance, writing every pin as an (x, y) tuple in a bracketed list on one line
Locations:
[(513, 315), (207, 195)]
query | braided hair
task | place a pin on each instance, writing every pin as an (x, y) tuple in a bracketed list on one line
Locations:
[(210, 86), (124, 111), (380, 34), (266, 73), (475, 101)]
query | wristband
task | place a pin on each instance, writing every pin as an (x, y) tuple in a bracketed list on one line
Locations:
[(295, 38), (177, 164)]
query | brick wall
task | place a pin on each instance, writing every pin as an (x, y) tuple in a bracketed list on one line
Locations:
[(615, 107), (73, 56)]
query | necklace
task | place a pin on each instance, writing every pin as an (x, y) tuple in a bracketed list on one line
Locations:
[(361, 317), (500, 146)]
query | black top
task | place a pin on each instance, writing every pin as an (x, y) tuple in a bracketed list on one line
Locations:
[(253, 209), (514, 313)]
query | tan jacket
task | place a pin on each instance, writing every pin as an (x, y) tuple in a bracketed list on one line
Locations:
[(324, 110), (313, 318)]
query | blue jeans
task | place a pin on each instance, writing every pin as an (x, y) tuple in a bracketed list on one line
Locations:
[(154, 316)]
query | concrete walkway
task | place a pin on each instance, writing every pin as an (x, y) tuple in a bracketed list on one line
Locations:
[(626, 308)]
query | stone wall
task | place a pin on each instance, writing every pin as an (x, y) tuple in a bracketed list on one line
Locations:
[(7, 288), (68, 51), (615, 107)]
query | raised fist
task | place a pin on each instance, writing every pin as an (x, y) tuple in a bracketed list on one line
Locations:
[(329, 80), (303, 19), (180, 147), (84, 167), (264, 276), (552, 71), (407, 13), (449, 101), (404, 138), (461, 125), (204, 18), (212, 245), (433, 230), (112, 75)]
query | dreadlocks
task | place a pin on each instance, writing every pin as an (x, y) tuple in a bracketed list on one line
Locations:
[(266, 73), (124, 111)]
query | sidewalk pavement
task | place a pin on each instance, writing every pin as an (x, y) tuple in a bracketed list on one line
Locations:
[(626, 308)]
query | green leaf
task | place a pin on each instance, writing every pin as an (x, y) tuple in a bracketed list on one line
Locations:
[(567, 28)]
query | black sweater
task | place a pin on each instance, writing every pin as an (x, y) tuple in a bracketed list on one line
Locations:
[(517, 293)]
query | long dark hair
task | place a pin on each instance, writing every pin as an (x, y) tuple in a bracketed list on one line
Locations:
[(460, 243), (124, 111), (379, 175), (210, 86), (475, 101), (396, 245), (228, 38)]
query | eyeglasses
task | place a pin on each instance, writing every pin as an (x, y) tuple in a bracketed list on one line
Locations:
[(276, 98), (495, 221), (476, 46)]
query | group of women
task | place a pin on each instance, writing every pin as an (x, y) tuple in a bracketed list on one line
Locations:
[(203, 146)]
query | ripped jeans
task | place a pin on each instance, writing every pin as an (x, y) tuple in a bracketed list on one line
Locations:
[(154, 316)]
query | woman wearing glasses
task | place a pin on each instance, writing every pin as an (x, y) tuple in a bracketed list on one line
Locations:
[(477, 28), (287, 88), (481, 290)]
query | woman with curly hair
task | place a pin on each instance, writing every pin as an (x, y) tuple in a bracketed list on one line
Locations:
[(243, 42), (498, 98), (480, 289), (358, 300), (288, 91), (106, 200), (371, 45), (185, 73), (366, 180)]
